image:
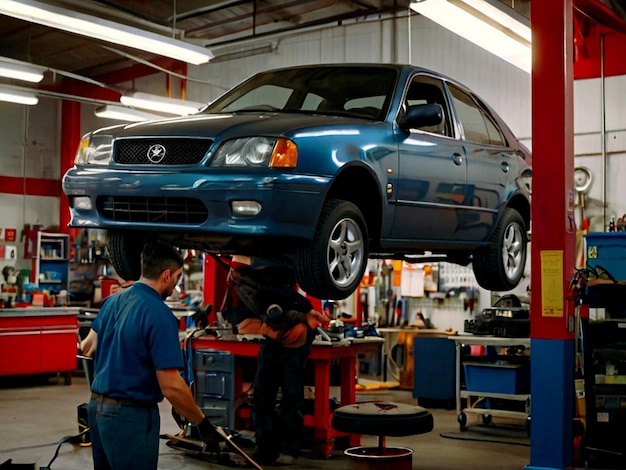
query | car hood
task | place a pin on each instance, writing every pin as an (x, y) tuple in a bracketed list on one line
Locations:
[(232, 125)]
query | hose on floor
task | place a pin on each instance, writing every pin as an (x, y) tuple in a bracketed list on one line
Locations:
[(63, 440)]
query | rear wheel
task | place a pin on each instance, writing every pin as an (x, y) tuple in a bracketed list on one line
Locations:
[(500, 266), (125, 251), (331, 266)]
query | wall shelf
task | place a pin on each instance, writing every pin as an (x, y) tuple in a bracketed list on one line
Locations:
[(51, 265)]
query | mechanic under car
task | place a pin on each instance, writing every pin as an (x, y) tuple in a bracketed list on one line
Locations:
[(262, 299)]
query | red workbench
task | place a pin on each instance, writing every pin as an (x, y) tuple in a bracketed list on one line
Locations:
[(321, 356)]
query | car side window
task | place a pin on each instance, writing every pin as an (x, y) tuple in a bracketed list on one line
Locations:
[(478, 125), (428, 90)]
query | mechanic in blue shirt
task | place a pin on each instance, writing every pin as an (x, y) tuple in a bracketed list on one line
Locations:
[(137, 354)]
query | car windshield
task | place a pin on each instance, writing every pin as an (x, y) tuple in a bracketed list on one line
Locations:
[(356, 91)]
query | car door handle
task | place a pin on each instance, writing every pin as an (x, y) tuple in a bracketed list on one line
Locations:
[(505, 167), (457, 158)]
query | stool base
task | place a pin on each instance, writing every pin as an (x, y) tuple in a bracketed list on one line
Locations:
[(373, 458)]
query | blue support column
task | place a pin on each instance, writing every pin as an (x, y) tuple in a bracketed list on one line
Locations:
[(552, 404)]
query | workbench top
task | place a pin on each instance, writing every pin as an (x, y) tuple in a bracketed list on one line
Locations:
[(414, 331), (38, 311), (490, 340)]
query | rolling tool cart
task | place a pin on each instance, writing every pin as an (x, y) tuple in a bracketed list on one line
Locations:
[(499, 378)]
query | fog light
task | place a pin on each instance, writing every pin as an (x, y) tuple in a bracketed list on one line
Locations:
[(83, 203), (245, 208)]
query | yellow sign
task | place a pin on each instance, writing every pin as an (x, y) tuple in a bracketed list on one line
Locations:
[(552, 300)]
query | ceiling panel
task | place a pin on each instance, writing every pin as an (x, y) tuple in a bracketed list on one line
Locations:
[(207, 23)]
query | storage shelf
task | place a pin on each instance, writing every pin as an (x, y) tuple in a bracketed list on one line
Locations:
[(505, 396), (52, 256), (604, 348), (497, 413)]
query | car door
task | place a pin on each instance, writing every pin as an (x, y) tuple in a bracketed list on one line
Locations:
[(490, 165), (432, 171)]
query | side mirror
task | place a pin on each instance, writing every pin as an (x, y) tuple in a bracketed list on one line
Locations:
[(422, 115)]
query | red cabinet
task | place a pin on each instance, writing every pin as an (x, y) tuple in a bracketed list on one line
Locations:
[(34, 341)]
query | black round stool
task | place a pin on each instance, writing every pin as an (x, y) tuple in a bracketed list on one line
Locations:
[(382, 419)]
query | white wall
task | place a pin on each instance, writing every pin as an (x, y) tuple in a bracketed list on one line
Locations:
[(29, 148), (588, 141)]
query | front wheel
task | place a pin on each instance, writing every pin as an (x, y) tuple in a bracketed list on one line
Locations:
[(332, 265), (500, 266), (125, 251)]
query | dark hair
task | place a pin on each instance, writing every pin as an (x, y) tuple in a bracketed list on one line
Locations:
[(158, 257)]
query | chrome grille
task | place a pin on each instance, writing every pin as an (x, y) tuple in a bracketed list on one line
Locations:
[(169, 210), (178, 151)]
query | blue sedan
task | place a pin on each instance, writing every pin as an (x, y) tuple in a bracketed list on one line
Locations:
[(319, 167)]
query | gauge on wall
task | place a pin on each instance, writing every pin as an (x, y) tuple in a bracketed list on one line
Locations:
[(582, 179)]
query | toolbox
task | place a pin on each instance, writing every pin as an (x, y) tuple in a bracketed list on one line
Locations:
[(507, 322), (215, 386), (607, 250)]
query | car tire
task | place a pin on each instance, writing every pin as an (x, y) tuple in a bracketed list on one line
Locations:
[(332, 265), (500, 266), (125, 252)]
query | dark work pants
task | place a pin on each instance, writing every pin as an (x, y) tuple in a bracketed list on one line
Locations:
[(124, 437), (279, 368)]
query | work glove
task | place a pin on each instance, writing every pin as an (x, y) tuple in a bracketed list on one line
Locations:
[(180, 419), (317, 320), (209, 435), (293, 337)]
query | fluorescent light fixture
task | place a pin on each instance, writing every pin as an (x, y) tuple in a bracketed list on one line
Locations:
[(109, 31), (20, 71), (18, 96), (494, 10), (120, 113), (161, 103), (483, 24)]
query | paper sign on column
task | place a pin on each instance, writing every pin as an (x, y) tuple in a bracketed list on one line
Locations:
[(552, 304)]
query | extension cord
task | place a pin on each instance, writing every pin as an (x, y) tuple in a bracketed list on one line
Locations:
[(61, 442)]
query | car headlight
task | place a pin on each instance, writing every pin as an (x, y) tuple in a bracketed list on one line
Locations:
[(266, 152), (94, 150)]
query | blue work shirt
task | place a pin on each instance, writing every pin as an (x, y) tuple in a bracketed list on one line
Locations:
[(137, 335)]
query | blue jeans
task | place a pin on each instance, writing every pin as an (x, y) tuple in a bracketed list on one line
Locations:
[(124, 437)]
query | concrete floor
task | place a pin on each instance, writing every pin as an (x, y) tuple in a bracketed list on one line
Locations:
[(35, 415)]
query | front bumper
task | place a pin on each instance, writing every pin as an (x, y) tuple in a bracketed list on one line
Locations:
[(290, 203)]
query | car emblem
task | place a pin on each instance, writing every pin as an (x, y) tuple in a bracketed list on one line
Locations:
[(156, 153)]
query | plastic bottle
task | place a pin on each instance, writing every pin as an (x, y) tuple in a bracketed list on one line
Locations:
[(612, 227)]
